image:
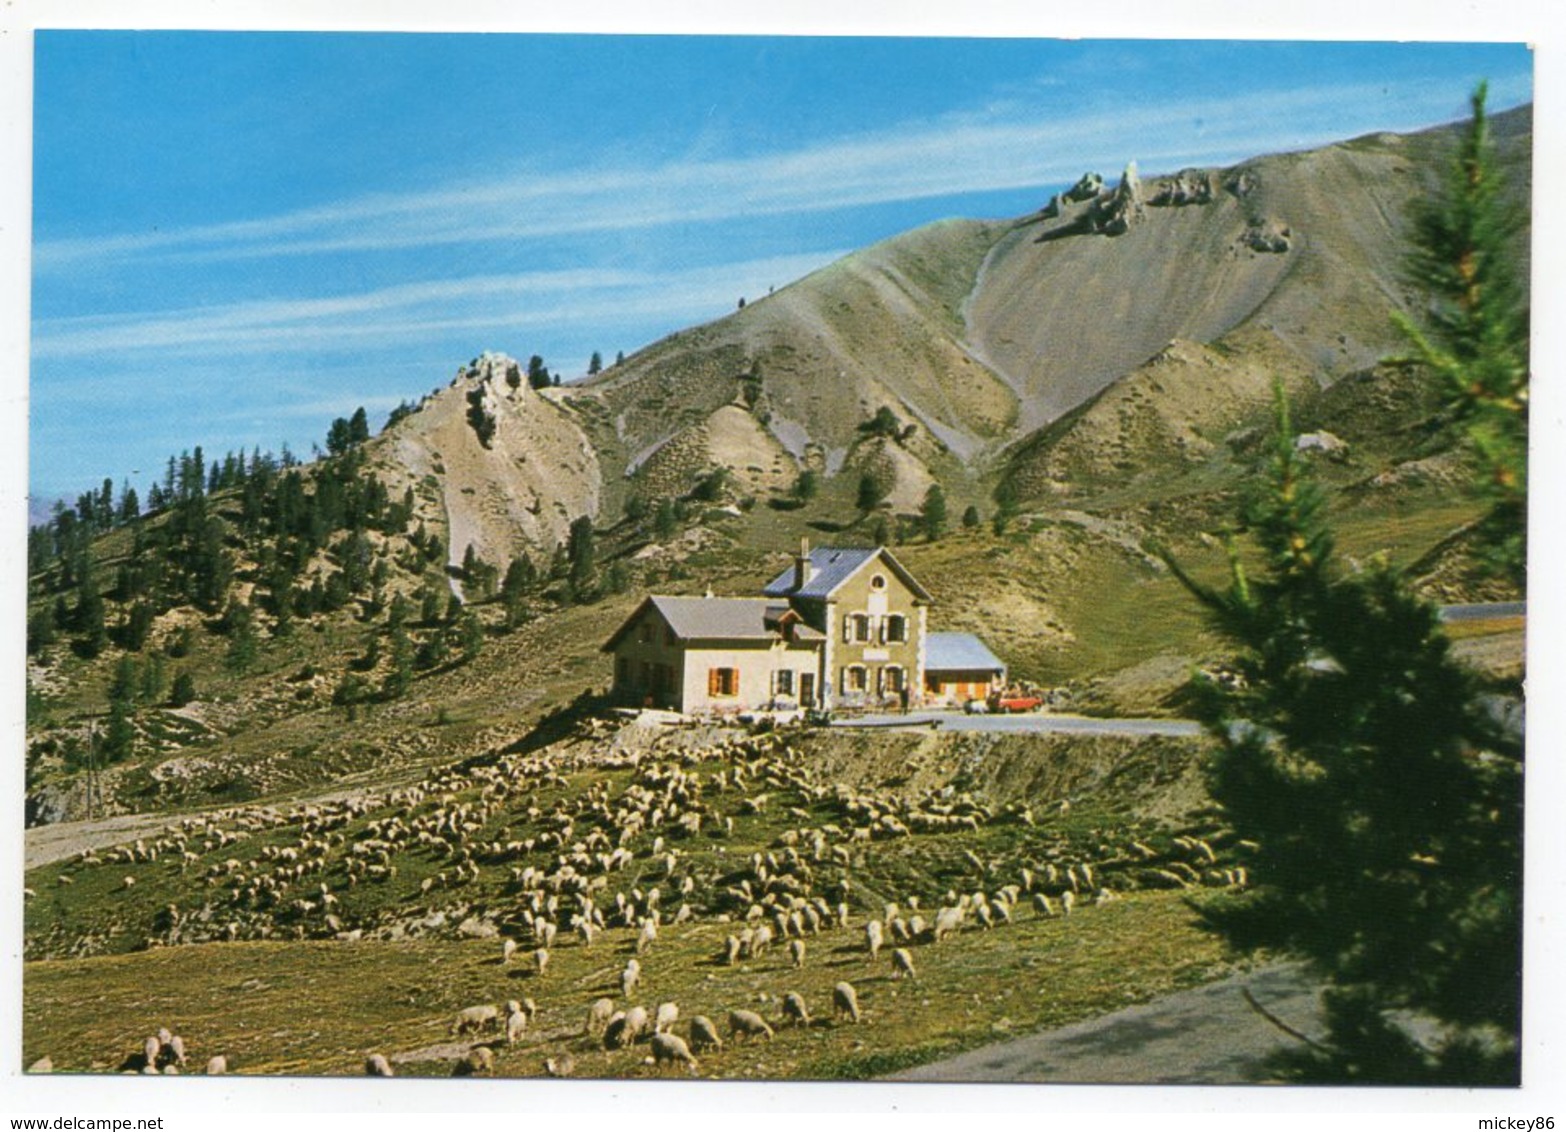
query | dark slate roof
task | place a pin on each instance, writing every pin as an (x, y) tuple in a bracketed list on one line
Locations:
[(715, 618), (945, 652), (831, 567), (724, 618)]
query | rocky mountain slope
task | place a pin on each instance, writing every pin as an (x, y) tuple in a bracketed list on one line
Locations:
[(1118, 327)]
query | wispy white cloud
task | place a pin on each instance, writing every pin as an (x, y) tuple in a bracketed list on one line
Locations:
[(416, 310), (1009, 145)]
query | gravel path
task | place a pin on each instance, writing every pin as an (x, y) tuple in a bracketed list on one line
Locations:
[(1206, 1036)]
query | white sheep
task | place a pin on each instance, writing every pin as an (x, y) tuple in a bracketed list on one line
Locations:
[(516, 1022), (598, 1015), (508, 948), (665, 1017), (796, 951), (670, 1048), (1042, 905), (1067, 899), (704, 1035), (541, 961), (648, 936), (479, 1062), (794, 1009), (873, 938), (630, 977), (845, 1001), (562, 1065), (475, 1018), (635, 1022), (749, 1024), (902, 964), (947, 921), (375, 1065)]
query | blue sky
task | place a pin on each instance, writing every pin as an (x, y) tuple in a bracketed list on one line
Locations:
[(239, 236)]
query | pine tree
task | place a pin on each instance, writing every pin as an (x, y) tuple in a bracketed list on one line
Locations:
[(665, 522), (582, 555), (184, 690), (1474, 334), (595, 364), (1384, 796), (933, 515), (870, 493)]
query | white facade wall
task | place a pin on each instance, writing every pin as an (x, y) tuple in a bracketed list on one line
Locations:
[(756, 666)]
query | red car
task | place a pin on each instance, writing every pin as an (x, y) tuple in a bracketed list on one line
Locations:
[(1015, 701)]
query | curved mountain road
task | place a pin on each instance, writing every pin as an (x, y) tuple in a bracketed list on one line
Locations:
[(1037, 723), (1207, 1036)]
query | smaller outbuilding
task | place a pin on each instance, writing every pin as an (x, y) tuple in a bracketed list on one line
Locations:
[(958, 667)]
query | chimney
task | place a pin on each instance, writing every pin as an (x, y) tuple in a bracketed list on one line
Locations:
[(803, 570)]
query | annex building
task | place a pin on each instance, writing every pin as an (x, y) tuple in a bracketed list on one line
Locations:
[(840, 628)]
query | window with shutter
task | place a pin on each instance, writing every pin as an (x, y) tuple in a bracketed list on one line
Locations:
[(848, 627)]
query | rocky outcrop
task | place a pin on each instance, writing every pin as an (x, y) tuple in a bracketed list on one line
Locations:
[(1272, 237), (1113, 215), (1087, 188), (1189, 186)]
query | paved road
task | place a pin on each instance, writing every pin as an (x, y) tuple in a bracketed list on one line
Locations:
[(1026, 722), (1206, 1036), (1484, 611)]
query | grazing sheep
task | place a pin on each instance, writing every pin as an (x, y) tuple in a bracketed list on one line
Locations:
[(1042, 905), (947, 921), (794, 1009), (475, 1019), (704, 1035), (1067, 899), (375, 1065), (916, 927), (150, 1048), (664, 1017), (541, 961), (669, 1048), (733, 948), (630, 977), (562, 1066), (508, 948), (796, 951), (479, 1062), (845, 1001), (902, 964), (748, 1023), (873, 938), (516, 1022), (598, 1015), (635, 1022)]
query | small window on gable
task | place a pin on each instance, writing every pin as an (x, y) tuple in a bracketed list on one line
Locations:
[(878, 582)]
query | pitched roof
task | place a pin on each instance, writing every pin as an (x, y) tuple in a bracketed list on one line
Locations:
[(959, 651), (832, 566), (715, 618)]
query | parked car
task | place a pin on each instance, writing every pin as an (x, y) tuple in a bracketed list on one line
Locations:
[(1013, 701)]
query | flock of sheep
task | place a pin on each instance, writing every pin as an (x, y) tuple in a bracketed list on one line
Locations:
[(562, 845)]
